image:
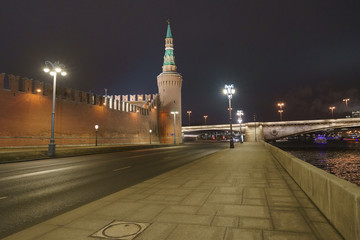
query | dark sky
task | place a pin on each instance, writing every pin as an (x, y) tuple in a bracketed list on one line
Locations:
[(305, 53)]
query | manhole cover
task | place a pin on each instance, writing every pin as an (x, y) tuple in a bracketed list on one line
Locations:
[(121, 230)]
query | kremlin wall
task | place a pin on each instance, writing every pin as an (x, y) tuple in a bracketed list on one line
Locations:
[(26, 108), (25, 116)]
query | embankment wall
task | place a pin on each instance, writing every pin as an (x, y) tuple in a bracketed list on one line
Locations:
[(337, 199), (25, 116)]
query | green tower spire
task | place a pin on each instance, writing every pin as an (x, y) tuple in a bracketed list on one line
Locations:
[(169, 58), (168, 34)]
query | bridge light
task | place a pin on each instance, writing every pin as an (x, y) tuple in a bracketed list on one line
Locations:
[(346, 100), (332, 111), (189, 113), (281, 105), (205, 117)]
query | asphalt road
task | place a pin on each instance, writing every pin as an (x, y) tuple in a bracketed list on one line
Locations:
[(32, 192)]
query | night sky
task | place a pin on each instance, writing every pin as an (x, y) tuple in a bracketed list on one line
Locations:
[(304, 53)]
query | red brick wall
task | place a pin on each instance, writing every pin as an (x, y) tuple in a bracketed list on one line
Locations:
[(25, 120)]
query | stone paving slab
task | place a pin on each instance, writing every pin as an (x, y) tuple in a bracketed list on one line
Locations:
[(236, 194)]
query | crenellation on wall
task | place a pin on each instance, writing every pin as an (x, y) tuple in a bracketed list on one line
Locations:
[(21, 85), (26, 122), (48, 89), (66, 94), (74, 95), (27, 85), (101, 101), (135, 97), (13, 82)]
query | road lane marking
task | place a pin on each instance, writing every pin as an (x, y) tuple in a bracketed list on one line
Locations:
[(1, 198), (145, 155), (123, 168), (34, 173)]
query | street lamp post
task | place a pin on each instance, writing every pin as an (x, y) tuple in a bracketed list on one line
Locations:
[(332, 111), (174, 113), (189, 113), (205, 117), (280, 111), (346, 100), (240, 113), (255, 126), (150, 131), (281, 105), (53, 69), (229, 91), (96, 130)]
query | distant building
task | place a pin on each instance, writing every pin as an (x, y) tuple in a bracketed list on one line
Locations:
[(355, 114)]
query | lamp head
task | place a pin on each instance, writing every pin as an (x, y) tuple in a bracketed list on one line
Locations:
[(229, 90)]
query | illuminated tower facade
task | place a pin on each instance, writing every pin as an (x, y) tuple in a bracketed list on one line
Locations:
[(169, 84)]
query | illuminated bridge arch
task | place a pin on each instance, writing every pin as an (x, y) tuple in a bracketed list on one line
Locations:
[(274, 130)]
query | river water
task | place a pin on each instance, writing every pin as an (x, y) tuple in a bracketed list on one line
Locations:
[(341, 159)]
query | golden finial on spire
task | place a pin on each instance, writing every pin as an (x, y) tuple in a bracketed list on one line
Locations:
[(168, 21)]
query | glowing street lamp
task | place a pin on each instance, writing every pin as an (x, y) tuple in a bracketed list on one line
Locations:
[(346, 100), (96, 130), (240, 113), (174, 113), (189, 113), (150, 131), (229, 91), (205, 117), (332, 111), (281, 105), (53, 69)]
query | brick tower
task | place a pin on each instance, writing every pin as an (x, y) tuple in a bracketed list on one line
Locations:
[(169, 84)]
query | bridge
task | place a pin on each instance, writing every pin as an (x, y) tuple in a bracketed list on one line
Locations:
[(275, 130)]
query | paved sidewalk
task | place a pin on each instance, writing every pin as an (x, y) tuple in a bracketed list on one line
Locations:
[(240, 193)]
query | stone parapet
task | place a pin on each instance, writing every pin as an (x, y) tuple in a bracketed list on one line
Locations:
[(338, 200)]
